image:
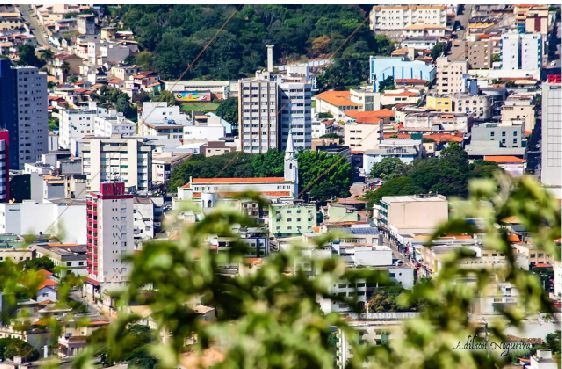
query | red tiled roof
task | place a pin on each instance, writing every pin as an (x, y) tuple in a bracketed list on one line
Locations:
[(414, 81), (443, 137), (44, 272), (240, 180), (402, 136), (337, 98), (369, 116), (503, 159), (47, 283)]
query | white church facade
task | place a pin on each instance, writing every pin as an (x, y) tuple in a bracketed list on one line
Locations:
[(206, 192)]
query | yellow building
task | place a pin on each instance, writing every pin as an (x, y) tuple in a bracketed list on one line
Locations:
[(439, 103)]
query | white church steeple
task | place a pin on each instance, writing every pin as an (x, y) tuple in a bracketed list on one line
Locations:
[(291, 171)]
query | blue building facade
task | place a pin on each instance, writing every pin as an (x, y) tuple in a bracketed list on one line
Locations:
[(9, 111), (381, 68)]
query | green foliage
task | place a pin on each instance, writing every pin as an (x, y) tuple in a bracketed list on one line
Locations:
[(389, 168), (270, 164), (385, 298), (331, 135), (53, 124), (39, 263), (447, 174), (28, 56), (387, 84), (323, 115), (171, 36), (323, 176), (228, 110), (118, 100), (399, 186), (553, 343), (133, 346), (164, 96), (10, 347), (437, 50), (234, 164)]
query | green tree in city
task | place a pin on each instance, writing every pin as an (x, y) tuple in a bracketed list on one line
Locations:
[(437, 50), (386, 84), (270, 164), (398, 186), (389, 168), (10, 347), (323, 176), (228, 110), (164, 96), (27, 56), (39, 263)]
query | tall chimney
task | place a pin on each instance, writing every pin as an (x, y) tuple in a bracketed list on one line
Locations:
[(269, 58)]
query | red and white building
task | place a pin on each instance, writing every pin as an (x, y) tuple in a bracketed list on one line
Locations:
[(4, 166), (206, 192), (110, 235)]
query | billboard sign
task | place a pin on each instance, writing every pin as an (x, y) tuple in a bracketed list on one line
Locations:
[(192, 96)]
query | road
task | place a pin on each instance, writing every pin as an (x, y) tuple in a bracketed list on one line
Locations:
[(38, 30)]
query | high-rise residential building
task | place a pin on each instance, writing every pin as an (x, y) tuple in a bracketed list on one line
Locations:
[(451, 76), (270, 105), (32, 114), (4, 167), (531, 51), (521, 51), (258, 115), (295, 104), (23, 92), (110, 234), (551, 156), (126, 159)]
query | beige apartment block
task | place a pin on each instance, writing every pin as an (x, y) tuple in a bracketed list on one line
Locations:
[(450, 76), (413, 214)]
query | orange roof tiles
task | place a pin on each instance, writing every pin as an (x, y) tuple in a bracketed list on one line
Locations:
[(337, 98), (240, 180), (47, 283), (369, 116), (504, 159), (443, 137), (401, 136), (404, 93)]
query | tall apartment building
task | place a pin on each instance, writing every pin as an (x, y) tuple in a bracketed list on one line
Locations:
[(269, 106), (23, 92), (110, 234), (4, 166), (397, 17), (258, 115), (451, 76), (521, 51), (295, 105), (126, 159), (551, 158)]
